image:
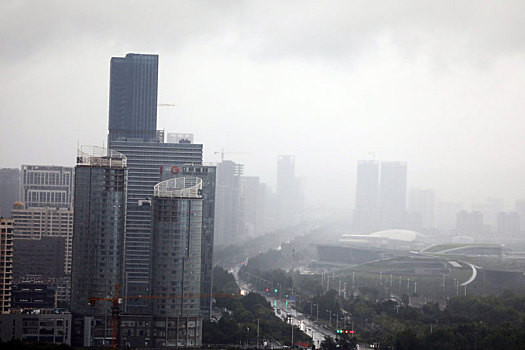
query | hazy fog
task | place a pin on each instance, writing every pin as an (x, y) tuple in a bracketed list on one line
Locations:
[(438, 84)]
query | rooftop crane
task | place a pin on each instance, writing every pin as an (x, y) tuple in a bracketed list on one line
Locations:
[(222, 153)]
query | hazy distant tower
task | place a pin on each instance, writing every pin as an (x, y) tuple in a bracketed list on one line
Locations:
[(422, 202), (393, 194), (366, 215), (288, 191)]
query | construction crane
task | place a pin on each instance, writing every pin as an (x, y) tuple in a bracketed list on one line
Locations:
[(116, 300), (222, 153)]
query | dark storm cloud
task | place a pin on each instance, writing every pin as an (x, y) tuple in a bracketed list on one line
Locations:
[(28, 27), (268, 29)]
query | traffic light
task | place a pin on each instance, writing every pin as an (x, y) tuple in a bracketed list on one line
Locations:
[(267, 290), (275, 290), (344, 331)]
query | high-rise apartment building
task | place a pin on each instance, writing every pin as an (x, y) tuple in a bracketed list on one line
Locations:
[(177, 218), (6, 264), (9, 187), (470, 223), (98, 240), (133, 97), (44, 186), (508, 223), (253, 199), (393, 194), (288, 191), (35, 224)]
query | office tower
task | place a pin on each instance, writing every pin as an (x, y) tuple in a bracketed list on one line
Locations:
[(44, 186), (393, 193), (133, 97), (422, 203), (98, 240), (179, 138), (207, 174), (490, 209), (177, 218), (469, 222), (288, 191), (132, 132), (228, 221), (9, 187), (36, 224), (508, 223), (253, 194), (366, 211), (144, 161), (6, 263)]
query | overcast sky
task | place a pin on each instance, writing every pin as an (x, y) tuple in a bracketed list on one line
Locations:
[(439, 84)]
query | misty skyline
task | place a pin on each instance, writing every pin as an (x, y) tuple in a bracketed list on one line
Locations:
[(435, 84)]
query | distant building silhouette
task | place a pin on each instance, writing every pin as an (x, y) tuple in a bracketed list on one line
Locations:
[(393, 194), (508, 223), (228, 215), (381, 193), (366, 213), (422, 202), (470, 222), (289, 192)]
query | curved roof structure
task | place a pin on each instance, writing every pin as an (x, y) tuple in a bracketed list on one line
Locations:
[(179, 187), (396, 235)]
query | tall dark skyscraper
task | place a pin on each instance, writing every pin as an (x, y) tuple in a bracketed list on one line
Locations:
[(133, 97), (132, 132)]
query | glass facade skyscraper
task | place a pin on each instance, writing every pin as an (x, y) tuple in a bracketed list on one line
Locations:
[(98, 240), (133, 97), (144, 161), (207, 174)]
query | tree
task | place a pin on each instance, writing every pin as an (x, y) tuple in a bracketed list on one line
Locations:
[(328, 344)]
